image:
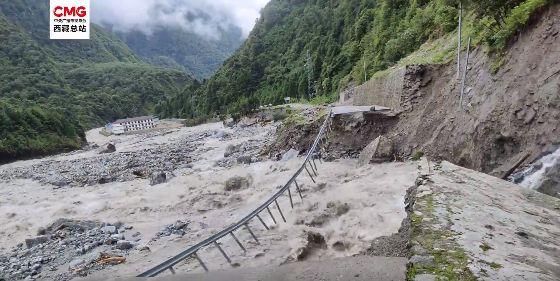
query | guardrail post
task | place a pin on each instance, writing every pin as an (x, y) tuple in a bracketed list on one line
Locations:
[(312, 169), (270, 213), (309, 173), (252, 234), (237, 241), (290, 195), (264, 224), (279, 210), (314, 164), (200, 261), (222, 251), (298, 190)]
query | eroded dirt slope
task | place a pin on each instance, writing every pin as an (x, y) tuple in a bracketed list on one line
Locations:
[(507, 115)]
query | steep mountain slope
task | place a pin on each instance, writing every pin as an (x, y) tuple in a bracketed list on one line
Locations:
[(315, 49), (509, 114), (184, 50), (50, 90), (307, 49)]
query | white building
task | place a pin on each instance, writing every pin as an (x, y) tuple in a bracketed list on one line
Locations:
[(130, 125)]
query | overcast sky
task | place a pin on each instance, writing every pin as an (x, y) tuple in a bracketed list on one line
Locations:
[(142, 14)]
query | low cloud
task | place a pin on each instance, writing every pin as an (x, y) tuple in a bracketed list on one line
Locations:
[(203, 17)]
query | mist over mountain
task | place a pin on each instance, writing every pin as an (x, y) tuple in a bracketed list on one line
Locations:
[(205, 18), (189, 35), (177, 48)]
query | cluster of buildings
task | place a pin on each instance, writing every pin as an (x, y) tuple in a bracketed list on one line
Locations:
[(131, 125)]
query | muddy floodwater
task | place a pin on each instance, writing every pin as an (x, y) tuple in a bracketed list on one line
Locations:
[(345, 210)]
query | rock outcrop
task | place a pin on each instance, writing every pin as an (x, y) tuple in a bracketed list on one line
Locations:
[(551, 181), (507, 112), (378, 151)]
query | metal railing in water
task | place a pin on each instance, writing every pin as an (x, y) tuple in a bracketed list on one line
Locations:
[(308, 166)]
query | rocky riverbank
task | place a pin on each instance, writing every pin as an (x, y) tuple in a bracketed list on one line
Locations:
[(69, 248)]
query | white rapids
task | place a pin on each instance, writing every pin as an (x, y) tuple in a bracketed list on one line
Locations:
[(533, 176)]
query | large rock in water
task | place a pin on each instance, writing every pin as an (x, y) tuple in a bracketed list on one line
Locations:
[(111, 148), (551, 181), (378, 151), (158, 178), (237, 183)]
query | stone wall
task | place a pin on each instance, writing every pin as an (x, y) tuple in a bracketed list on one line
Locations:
[(393, 88)]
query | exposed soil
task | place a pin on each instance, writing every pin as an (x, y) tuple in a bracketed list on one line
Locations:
[(346, 137), (507, 115)]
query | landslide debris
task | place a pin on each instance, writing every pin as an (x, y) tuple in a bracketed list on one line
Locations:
[(67, 249)]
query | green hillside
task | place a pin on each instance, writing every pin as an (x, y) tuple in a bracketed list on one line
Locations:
[(314, 49), (50, 91), (311, 50)]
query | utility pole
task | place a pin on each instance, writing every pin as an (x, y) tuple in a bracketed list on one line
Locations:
[(463, 81), (365, 72), (309, 68), (459, 40)]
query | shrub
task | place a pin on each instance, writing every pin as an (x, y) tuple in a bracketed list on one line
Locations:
[(417, 155), (515, 21), (279, 115)]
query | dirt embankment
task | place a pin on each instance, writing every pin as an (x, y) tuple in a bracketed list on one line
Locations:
[(346, 136), (507, 115)]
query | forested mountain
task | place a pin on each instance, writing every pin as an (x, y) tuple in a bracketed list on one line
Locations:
[(314, 49), (51, 90), (176, 47)]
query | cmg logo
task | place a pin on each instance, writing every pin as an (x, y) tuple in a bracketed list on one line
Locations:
[(69, 19), (60, 11)]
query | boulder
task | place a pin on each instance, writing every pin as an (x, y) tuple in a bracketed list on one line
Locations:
[(244, 160), (291, 154), (117, 237), (247, 122), (338, 208), (237, 183), (312, 242), (422, 260), (109, 149), (31, 242), (379, 151), (124, 245), (229, 123), (551, 181), (232, 149), (158, 178), (76, 263), (109, 229)]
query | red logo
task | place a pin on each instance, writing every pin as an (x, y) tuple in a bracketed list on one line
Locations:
[(60, 11)]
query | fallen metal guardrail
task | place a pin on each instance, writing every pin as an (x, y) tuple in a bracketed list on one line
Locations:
[(244, 222)]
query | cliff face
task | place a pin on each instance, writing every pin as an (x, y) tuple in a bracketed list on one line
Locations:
[(507, 115)]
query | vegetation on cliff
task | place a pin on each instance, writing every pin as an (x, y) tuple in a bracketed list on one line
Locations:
[(314, 49)]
